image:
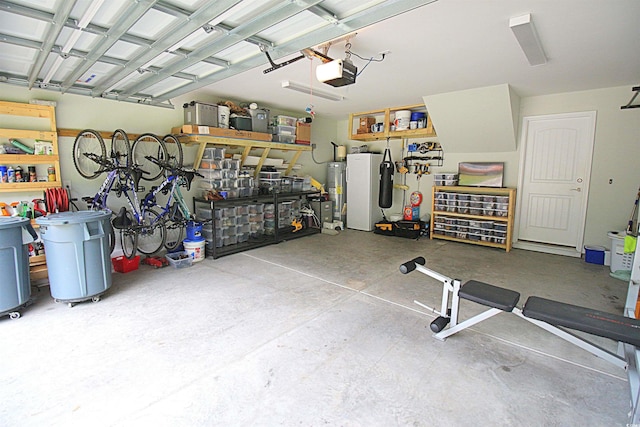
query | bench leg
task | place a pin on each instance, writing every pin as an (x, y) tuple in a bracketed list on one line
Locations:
[(467, 323), (632, 355), (575, 340)]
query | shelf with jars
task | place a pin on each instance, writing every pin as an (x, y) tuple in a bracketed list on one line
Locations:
[(409, 121), (39, 169)]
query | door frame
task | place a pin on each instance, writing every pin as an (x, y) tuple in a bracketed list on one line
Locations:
[(546, 247)]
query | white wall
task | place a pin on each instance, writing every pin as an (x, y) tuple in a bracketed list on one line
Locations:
[(81, 112), (616, 152), (616, 156)]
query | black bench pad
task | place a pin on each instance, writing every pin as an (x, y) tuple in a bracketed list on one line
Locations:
[(489, 295), (615, 327)]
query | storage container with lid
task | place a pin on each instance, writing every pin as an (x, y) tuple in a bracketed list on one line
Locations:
[(281, 120)]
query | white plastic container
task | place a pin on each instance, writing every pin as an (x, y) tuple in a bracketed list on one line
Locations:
[(619, 259)]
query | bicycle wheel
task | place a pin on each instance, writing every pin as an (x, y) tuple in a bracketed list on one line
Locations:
[(174, 151), (152, 233), (175, 231), (88, 142), (120, 148), (129, 236), (129, 242), (112, 239), (148, 144)]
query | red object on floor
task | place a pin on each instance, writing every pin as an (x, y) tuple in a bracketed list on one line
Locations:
[(122, 264), (156, 261)]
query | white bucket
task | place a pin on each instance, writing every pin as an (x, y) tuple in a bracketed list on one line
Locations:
[(403, 118), (195, 249)]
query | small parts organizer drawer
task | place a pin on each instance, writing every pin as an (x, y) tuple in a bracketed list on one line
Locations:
[(472, 204), (468, 229)]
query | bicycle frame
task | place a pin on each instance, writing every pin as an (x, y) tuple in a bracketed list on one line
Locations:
[(174, 193), (100, 199)]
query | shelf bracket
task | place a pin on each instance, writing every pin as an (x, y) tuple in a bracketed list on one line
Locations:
[(629, 105)]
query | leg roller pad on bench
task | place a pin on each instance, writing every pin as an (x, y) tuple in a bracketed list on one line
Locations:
[(489, 295), (618, 328)]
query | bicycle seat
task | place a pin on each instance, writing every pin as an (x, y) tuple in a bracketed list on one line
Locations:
[(189, 175), (121, 220), (136, 174)]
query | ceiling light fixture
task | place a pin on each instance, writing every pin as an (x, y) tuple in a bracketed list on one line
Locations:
[(309, 91), (525, 32)]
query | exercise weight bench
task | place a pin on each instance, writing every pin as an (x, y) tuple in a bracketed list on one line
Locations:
[(552, 316)]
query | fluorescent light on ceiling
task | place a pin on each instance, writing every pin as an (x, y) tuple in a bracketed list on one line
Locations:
[(525, 32), (309, 91)]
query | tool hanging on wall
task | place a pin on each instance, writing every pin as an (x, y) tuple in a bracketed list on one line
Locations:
[(385, 198), (634, 216)]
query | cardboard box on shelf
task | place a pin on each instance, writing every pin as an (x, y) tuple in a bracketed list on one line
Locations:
[(303, 133), (365, 124)]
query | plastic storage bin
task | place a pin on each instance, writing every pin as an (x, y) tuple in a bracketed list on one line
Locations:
[(285, 139), (122, 264), (284, 120), (78, 258), (594, 254), (619, 259), (283, 130), (179, 259), (15, 286)]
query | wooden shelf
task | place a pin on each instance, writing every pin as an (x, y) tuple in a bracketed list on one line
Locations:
[(247, 145), (467, 233), (47, 116), (387, 115), (28, 159)]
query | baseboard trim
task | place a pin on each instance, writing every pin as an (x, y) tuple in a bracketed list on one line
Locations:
[(545, 248)]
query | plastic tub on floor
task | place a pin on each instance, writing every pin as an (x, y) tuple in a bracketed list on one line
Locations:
[(78, 256), (594, 254), (15, 286)]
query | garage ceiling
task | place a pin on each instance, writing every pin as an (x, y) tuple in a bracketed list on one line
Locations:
[(152, 52), (148, 51)]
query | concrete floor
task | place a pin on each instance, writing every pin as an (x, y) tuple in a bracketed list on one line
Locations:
[(315, 331)]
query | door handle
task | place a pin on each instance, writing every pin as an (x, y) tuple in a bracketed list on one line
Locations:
[(576, 189)]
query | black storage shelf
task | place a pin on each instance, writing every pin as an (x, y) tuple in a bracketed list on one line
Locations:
[(280, 234)]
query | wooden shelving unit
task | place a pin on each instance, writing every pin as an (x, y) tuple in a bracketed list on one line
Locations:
[(43, 115), (478, 220), (35, 112), (386, 116), (247, 145)]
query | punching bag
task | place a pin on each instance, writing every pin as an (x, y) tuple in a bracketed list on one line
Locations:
[(385, 199)]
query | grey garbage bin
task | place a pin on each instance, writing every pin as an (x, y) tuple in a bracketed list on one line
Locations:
[(78, 258), (15, 286)]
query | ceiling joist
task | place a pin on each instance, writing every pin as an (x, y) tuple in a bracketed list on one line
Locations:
[(134, 61)]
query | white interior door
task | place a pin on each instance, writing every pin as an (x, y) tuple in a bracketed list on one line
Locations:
[(554, 181)]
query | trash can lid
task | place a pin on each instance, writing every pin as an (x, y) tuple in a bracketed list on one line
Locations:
[(79, 217), (12, 221)]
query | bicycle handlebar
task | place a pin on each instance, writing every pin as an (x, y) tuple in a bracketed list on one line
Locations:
[(174, 170), (110, 165)]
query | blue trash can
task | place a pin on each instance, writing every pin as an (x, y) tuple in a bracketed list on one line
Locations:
[(78, 256), (15, 286)]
